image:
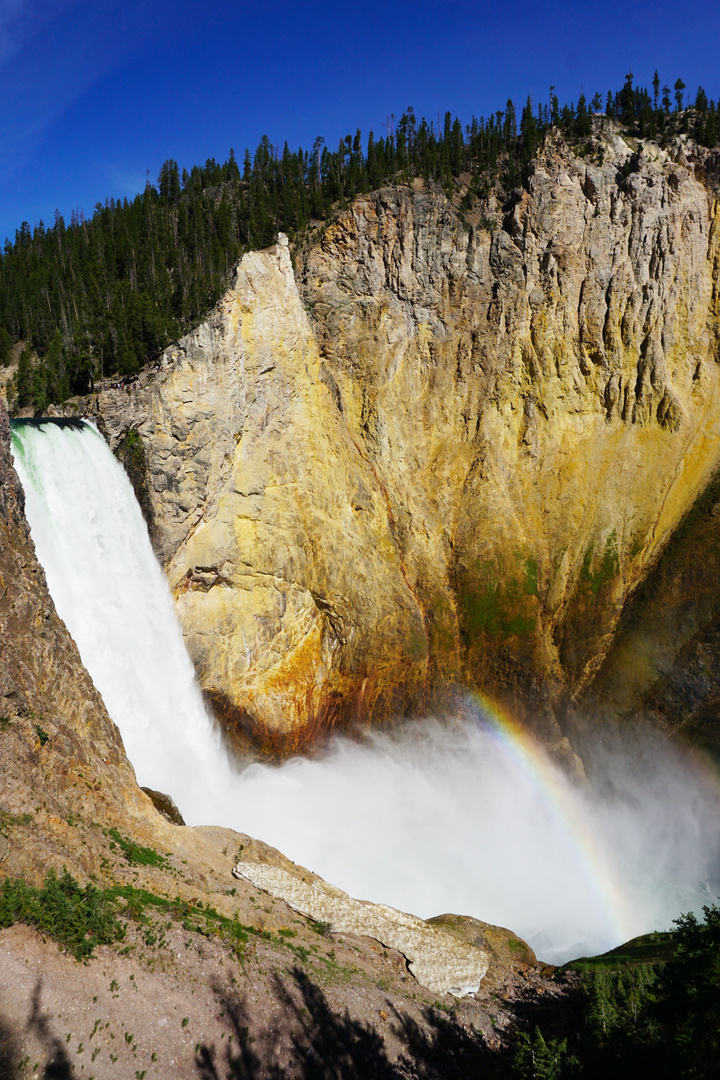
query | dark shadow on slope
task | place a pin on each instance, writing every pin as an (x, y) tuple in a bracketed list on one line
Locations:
[(9, 1048), (327, 1046), (443, 1050), (242, 1063), (58, 1066), (310, 1041), (40, 421)]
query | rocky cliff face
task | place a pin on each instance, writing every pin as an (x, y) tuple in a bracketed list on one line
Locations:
[(446, 451), (69, 801), (664, 663), (277, 540)]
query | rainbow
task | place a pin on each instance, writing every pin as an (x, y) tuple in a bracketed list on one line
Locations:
[(555, 793)]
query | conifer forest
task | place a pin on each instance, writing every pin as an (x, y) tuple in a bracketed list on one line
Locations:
[(104, 294)]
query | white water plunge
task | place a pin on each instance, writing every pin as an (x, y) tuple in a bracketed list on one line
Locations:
[(430, 817)]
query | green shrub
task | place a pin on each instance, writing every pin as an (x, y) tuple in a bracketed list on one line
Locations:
[(136, 854), (75, 917)]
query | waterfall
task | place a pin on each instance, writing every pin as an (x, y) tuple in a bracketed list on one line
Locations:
[(109, 589), (430, 817)]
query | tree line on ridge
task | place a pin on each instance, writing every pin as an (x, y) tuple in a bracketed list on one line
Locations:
[(103, 295)]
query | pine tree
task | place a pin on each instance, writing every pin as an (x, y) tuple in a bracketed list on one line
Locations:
[(689, 995), (528, 134), (5, 346), (24, 379), (536, 1059), (627, 101), (509, 124), (583, 121)]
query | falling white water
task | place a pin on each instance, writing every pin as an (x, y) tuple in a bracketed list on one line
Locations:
[(109, 589), (430, 817), (441, 816)]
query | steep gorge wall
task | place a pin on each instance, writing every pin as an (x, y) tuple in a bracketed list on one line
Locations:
[(287, 577), (543, 402), (451, 457)]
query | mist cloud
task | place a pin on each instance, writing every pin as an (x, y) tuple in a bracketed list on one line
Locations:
[(444, 816)]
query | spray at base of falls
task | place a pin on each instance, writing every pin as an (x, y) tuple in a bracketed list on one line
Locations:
[(430, 817)]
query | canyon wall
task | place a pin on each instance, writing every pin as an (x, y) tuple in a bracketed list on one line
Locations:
[(189, 927), (444, 450)]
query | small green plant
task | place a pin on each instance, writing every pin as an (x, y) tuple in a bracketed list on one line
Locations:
[(608, 569), (489, 224), (75, 917), (185, 1021), (42, 735), (14, 819), (136, 854)]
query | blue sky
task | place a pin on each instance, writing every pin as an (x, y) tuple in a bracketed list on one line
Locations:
[(95, 94)]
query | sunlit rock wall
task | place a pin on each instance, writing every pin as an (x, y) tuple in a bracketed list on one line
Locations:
[(449, 459)]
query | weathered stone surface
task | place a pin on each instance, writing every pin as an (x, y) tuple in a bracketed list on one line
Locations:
[(165, 805), (459, 467), (438, 959), (276, 538), (664, 664), (541, 405)]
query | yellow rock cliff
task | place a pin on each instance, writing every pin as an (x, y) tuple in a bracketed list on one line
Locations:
[(442, 452)]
